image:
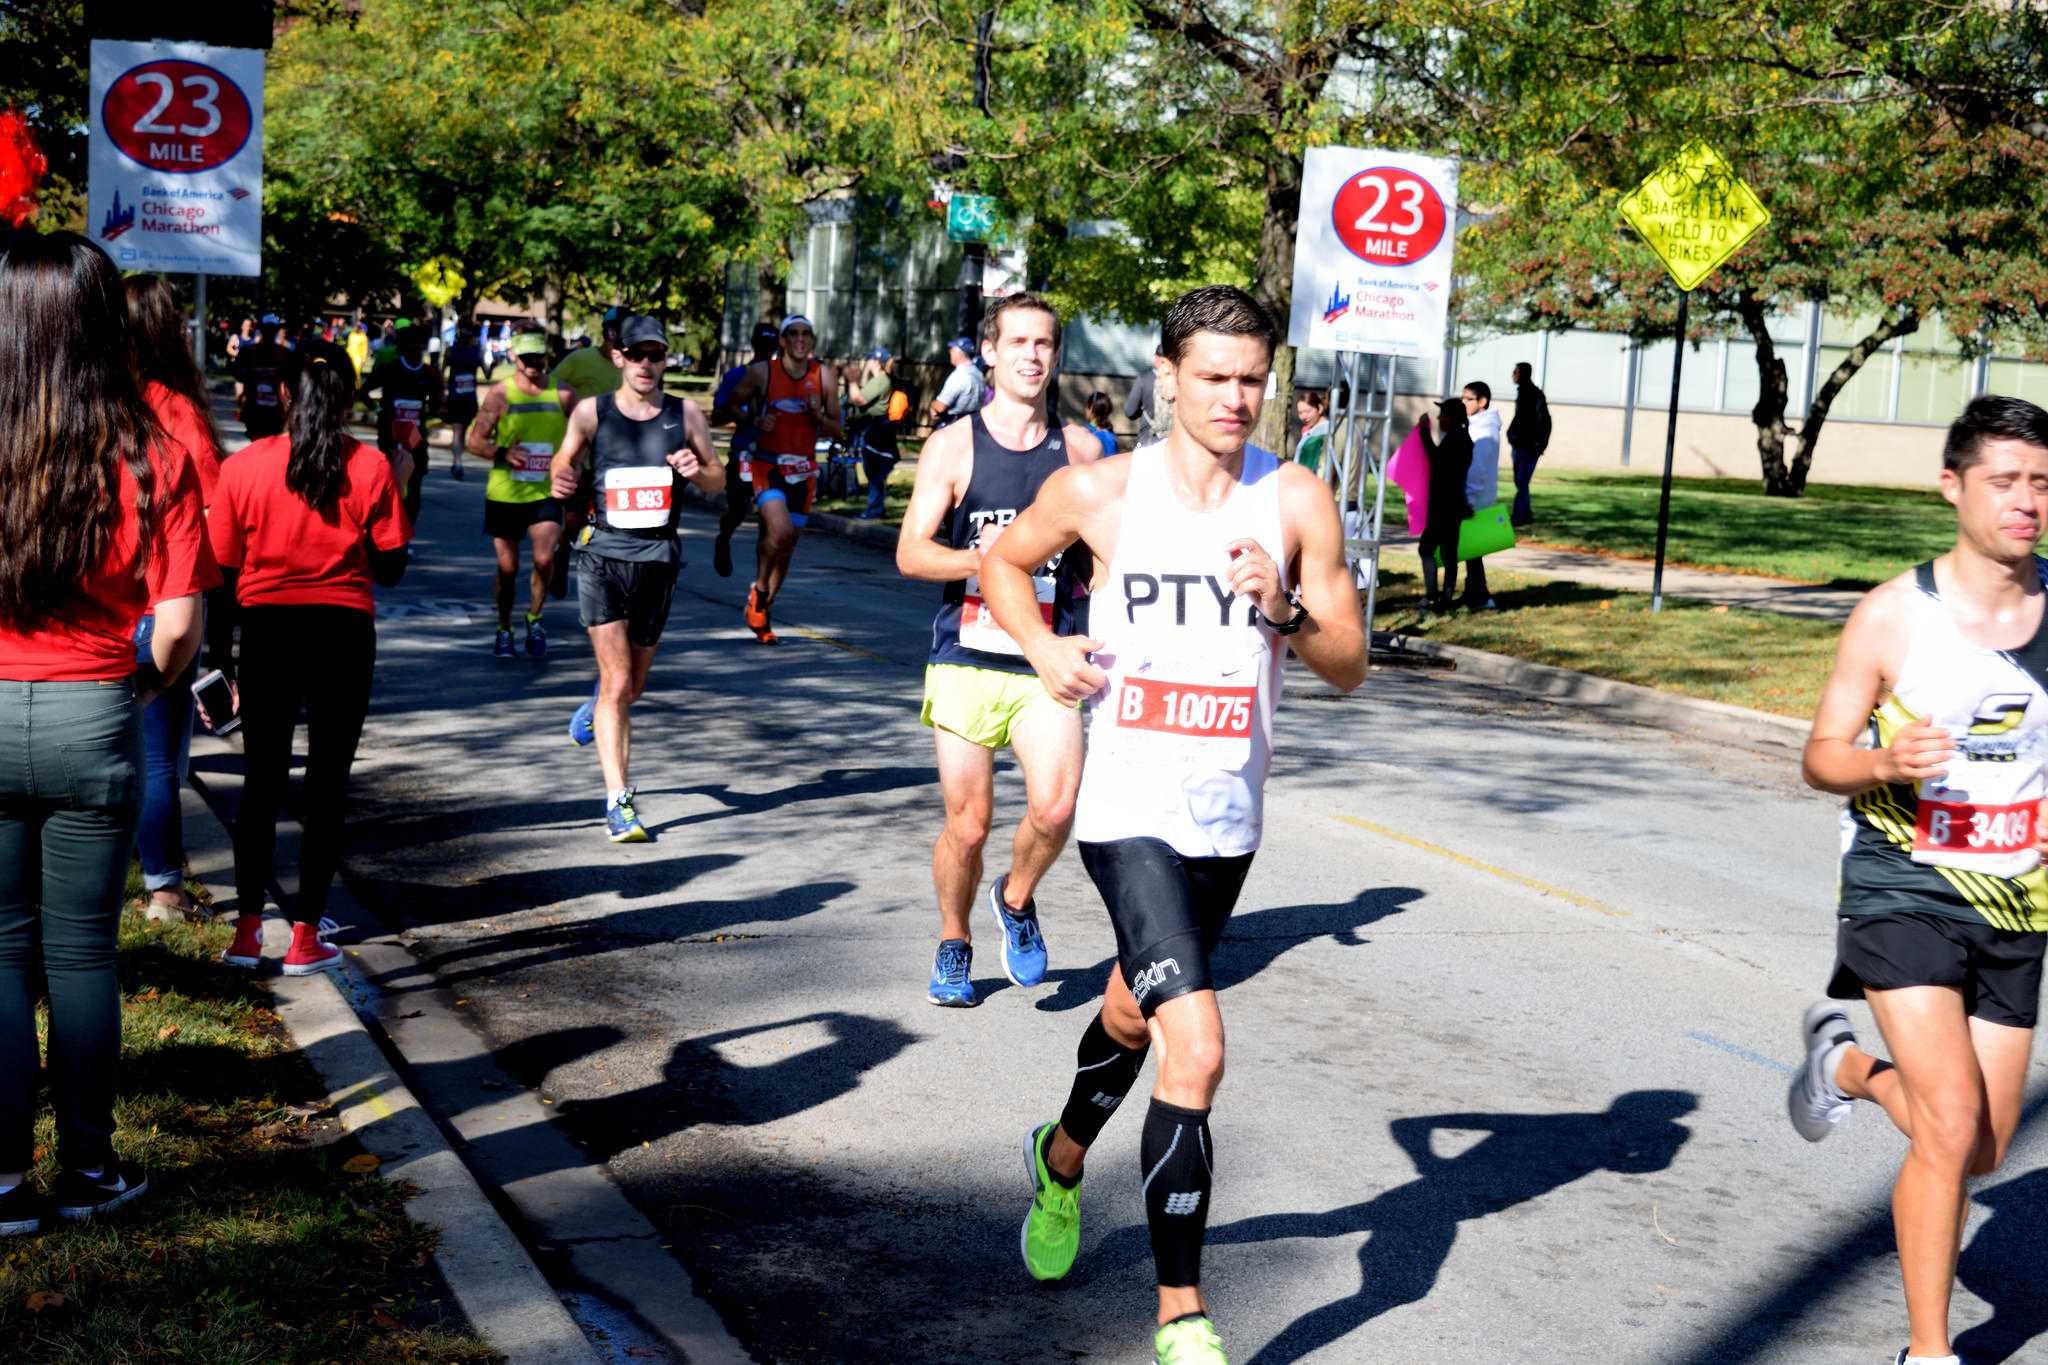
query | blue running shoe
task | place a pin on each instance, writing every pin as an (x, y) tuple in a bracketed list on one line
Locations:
[(950, 986), (580, 731), (622, 822), (503, 649), (536, 639), (1023, 945)]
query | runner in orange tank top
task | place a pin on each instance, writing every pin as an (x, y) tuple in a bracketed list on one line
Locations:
[(799, 401)]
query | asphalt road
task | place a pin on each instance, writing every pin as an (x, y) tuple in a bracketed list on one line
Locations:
[(1512, 995)]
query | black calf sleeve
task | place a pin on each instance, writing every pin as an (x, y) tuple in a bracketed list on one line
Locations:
[(1177, 1159), (1104, 1072)]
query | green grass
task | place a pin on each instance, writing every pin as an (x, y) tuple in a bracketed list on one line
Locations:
[(252, 1244), (1758, 659), (1843, 535)]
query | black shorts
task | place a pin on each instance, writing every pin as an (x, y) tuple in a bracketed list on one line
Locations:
[(630, 590), (511, 520), (460, 410), (1997, 970), (1168, 911)]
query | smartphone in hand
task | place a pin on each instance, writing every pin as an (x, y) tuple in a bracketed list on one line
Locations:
[(216, 702)]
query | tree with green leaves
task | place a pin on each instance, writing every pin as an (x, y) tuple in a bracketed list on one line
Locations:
[(1882, 208)]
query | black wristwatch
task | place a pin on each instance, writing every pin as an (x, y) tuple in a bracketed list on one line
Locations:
[(1292, 623)]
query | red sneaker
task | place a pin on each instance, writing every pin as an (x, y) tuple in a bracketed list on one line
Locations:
[(247, 949), (310, 951)]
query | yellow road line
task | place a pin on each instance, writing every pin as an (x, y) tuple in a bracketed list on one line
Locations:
[(841, 644), (1502, 872)]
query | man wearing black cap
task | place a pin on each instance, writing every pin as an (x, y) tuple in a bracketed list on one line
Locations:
[(407, 389), (263, 370), (964, 388), (745, 437), (640, 441)]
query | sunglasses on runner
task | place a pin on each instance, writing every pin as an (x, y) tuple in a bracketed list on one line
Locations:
[(647, 355)]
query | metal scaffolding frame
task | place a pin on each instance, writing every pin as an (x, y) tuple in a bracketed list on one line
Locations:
[(1361, 443)]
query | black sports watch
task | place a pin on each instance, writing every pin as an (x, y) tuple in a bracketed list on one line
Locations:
[(1292, 623)]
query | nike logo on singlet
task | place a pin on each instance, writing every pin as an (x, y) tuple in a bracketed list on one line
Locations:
[(1143, 589)]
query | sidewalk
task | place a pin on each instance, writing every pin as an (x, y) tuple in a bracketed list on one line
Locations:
[(1703, 585)]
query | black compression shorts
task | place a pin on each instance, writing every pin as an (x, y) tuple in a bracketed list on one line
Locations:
[(512, 520), (1997, 970), (1169, 912), (637, 592)]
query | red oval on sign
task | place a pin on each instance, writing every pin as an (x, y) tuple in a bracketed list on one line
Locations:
[(1388, 216), (176, 116)]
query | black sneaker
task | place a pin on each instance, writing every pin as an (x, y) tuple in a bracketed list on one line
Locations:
[(22, 1211), (79, 1196)]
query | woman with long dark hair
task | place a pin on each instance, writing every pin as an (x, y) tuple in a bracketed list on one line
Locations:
[(305, 521), (100, 520), (1450, 459), (176, 394)]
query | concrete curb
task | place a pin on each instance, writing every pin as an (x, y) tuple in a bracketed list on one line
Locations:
[(1666, 710), (583, 1224), (501, 1291)]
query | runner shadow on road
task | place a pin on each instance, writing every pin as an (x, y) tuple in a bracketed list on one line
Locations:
[(699, 1085), (830, 785), (1993, 1267), (509, 951), (1412, 1227), (1252, 943)]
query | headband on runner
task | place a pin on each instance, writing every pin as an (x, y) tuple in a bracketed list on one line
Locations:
[(793, 319)]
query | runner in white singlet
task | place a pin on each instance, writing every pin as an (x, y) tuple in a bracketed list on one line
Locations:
[(1943, 898), (1210, 551)]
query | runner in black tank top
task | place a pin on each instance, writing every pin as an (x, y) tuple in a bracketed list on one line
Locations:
[(973, 478), (643, 444)]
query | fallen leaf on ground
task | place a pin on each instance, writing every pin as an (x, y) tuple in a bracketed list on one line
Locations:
[(44, 1298), (361, 1165), (386, 1321), (166, 1033)]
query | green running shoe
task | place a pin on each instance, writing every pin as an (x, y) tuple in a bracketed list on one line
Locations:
[(1188, 1341), (1052, 1229)]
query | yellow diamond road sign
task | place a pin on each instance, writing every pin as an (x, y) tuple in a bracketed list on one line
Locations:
[(1694, 212)]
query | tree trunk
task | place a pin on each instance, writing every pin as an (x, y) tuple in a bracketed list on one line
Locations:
[(551, 307), (1774, 392), (1773, 433), (773, 300), (1273, 285), (1905, 324)]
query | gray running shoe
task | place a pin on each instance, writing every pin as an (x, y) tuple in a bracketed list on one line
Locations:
[(1814, 1103)]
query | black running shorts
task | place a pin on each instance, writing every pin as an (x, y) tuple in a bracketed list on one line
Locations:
[(512, 520), (1168, 911), (634, 591), (1997, 970)]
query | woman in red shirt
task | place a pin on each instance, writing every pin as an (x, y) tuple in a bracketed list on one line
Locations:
[(100, 519), (304, 522), (171, 384)]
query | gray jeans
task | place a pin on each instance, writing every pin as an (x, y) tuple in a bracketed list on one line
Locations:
[(70, 798)]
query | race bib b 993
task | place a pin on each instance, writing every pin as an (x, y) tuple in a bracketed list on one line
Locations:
[(639, 499)]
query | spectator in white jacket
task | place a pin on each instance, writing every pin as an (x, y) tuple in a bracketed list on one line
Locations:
[(1482, 485)]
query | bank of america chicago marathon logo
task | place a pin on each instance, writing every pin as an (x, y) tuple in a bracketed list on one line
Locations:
[(118, 219), (238, 194)]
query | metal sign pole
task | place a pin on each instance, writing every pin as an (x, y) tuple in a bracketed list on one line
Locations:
[(1670, 452), (1362, 455), (199, 322)]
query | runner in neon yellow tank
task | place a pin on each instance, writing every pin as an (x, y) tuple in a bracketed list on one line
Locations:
[(520, 426)]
